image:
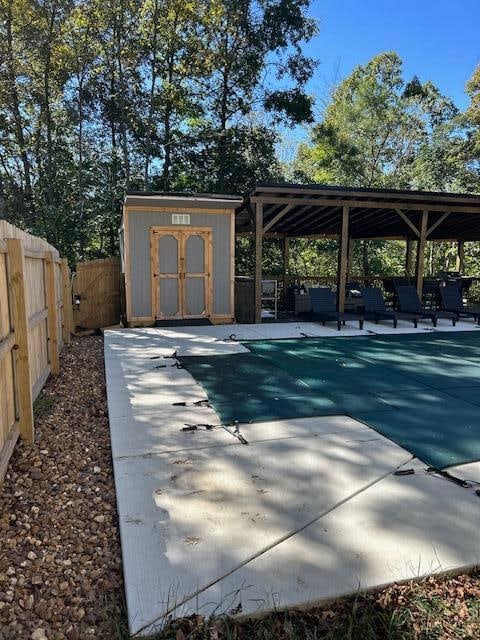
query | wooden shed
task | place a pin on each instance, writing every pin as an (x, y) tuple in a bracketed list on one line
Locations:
[(178, 257)]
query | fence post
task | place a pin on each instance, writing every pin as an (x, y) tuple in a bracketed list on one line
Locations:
[(52, 313), (67, 302), (16, 271)]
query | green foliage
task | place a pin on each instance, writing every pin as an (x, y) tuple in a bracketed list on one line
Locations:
[(42, 406), (380, 131), (97, 96)]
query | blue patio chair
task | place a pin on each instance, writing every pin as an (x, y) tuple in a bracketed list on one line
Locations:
[(452, 301), (409, 301), (375, 308), (324, 308)]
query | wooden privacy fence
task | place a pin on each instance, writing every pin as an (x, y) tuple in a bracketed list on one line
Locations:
[(35, 322), (96, 288)]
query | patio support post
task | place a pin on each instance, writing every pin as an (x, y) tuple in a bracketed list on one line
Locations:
[(408, 258), (421, 253), (258, 261), (460, 256), (286, 261), (342, 260)]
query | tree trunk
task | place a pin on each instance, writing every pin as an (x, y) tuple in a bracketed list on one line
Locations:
[(113, 142), (169, 109), (121, 98), (81, 198), (365, 263), (167, 155), (151, 108), (48, 113), (3, 209), (17, 118), (222, 143), (223, 118)]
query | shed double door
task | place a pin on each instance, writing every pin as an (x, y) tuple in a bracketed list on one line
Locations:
[(181, 267)]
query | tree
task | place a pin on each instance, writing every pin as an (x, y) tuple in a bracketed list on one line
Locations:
[(245, 40), (15, 144), (471, 121), (380, 131), (97, 96), (374, 127)]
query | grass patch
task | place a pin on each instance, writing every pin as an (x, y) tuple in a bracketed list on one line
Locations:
[(114, 617), (42, 406), (433, 609)]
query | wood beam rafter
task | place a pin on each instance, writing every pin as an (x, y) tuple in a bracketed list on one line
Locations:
[(379, 223), (359, 193), (370, 204), (421, 253), (407, 221), (309, 214), (437, 223), (314, 218), (278, 216), (295, 215), (354, 215)]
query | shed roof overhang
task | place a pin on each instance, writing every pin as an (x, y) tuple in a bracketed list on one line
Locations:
[(156, 199), (304, 210)]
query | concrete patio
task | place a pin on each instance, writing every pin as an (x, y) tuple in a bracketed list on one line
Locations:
[(309, 509)]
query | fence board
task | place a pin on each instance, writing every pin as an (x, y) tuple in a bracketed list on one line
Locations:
[(26, 305), (7, 392), (18, 284), (96, 286)]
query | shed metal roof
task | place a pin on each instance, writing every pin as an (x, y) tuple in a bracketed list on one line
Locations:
[(178, 199)]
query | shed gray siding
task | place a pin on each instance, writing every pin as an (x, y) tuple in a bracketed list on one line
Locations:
[(139, 223)]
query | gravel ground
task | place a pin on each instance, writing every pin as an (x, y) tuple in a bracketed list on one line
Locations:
[(60, 559)]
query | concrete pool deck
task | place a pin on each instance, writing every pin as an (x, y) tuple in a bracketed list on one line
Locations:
[(310, 509)]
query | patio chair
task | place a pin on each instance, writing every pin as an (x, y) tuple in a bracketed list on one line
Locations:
[(324, 308), (393, 285), (452, 301), (375, 308), (410, 302)]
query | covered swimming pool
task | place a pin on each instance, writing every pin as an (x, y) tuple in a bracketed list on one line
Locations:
[(420, 390)]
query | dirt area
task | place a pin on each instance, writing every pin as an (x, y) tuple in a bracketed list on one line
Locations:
[(432, 609), (60, 560)]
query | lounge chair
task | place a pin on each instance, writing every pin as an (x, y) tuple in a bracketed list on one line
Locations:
[(375, 308), (390, 287), (452, 301), (324, 308), (409, 302)]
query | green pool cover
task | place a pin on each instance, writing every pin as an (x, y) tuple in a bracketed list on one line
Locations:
[(420, 390)]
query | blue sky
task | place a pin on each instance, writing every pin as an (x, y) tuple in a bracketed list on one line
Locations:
[(438, 40)]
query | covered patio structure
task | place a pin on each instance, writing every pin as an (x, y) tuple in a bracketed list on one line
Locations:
[(320, 211)]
